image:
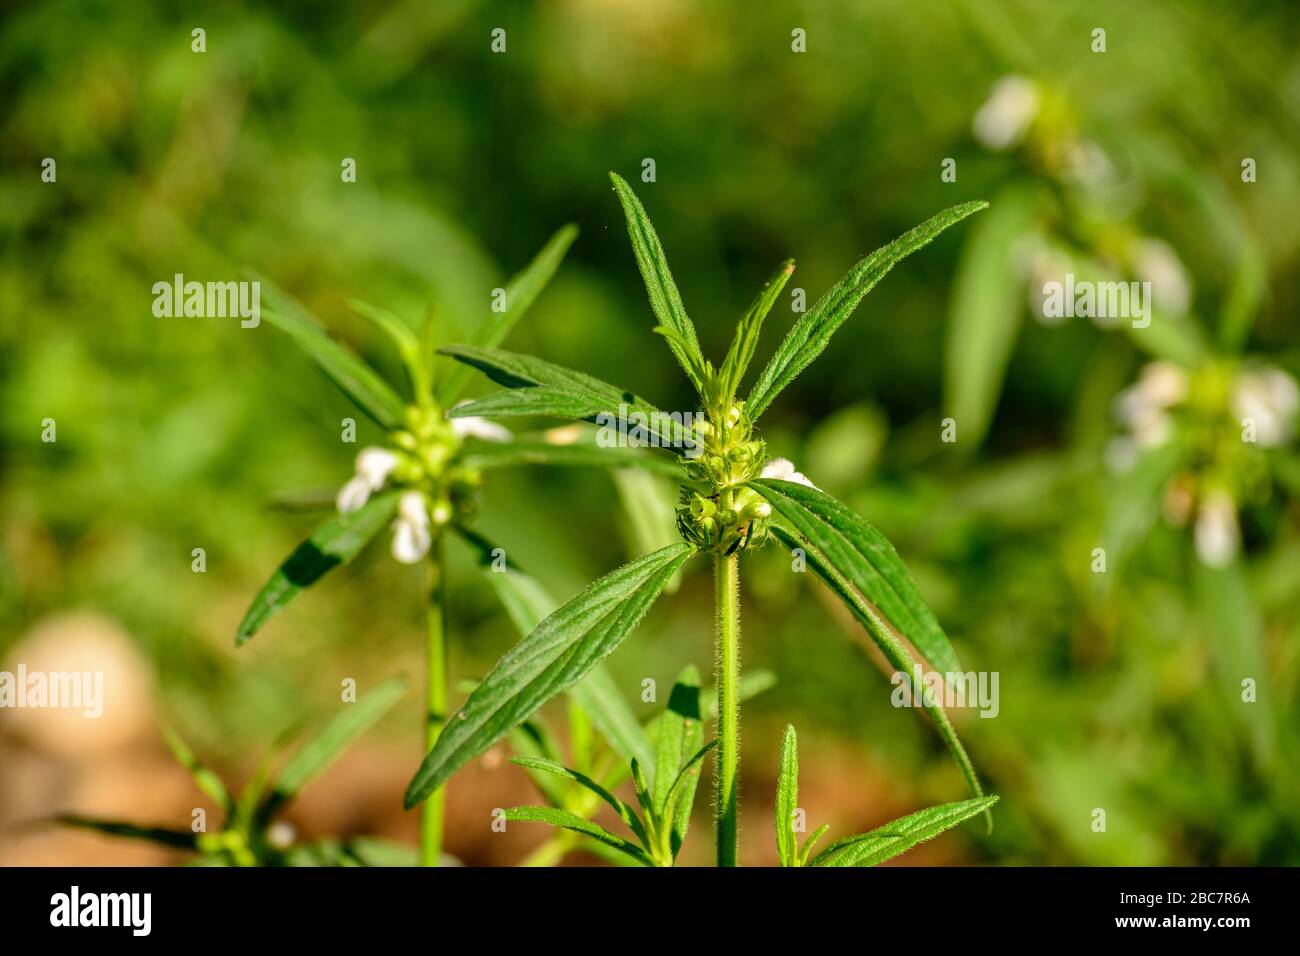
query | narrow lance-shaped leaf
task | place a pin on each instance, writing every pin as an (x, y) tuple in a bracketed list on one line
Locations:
[(839, 557), (335, 542), (810, 844), (314, 757), (204, 777), (571, 821), (787, 798), (527, 603), (520, 294), (543, 388), (984, 318), (625, 813), (665, 300), (899, 836), (813, 330), (559, 652), (407, 343), (354, 377), (869, 561), (681, 799), (681, 735), (178, 839), (747, 333)]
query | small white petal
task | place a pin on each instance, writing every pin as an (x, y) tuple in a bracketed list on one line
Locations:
[(1006, 115), (1268, 397), (476, 427), (375, 465), (1163, 384), (1152, 428), (781, 468), (1217, 534), (353, 495), (411, 508), (410, 541)]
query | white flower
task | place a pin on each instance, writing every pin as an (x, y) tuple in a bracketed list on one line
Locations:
[(1005, 116), (411, 536), (1270, 398), (1156, 262), (374, 465), (783, 469), (1087, 164), (1142, 408), (1217, 534), (473, 426)]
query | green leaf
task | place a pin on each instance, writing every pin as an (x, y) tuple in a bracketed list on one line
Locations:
[(178, 839), (523, 451), (317, 754), (533, 738), (204, 777), (893, 839), (681, 800), (867, 559), (813, 330), (398, 332), (811, 842), (625, 813), (839, 556), (571, 821), (665, 300), (418, 369), (787, 798), (987, 305), (543, 388), (559, 652), (354, 377), (747, 332), (527, 603), (681, 734), (520, 294), (335, 542)]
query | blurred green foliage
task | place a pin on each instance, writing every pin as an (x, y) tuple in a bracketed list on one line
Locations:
[(179, 433)]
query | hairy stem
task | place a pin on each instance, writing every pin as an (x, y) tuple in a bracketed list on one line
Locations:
[(727, 655), (435, 713)]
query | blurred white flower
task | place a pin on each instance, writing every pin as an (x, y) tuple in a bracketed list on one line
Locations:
[(1006, 115), (1270, 398), (374, 465), (473, 426), (1155, 261), (1217, 534), (1087, 164), (783, 469), (411, 535), (1143, 408), (281, 834)]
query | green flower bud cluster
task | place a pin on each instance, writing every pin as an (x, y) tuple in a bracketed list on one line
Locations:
[(727, 516), (427, 450)]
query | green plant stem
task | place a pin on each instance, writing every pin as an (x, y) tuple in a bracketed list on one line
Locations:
[(435, 713), (727, 654)]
